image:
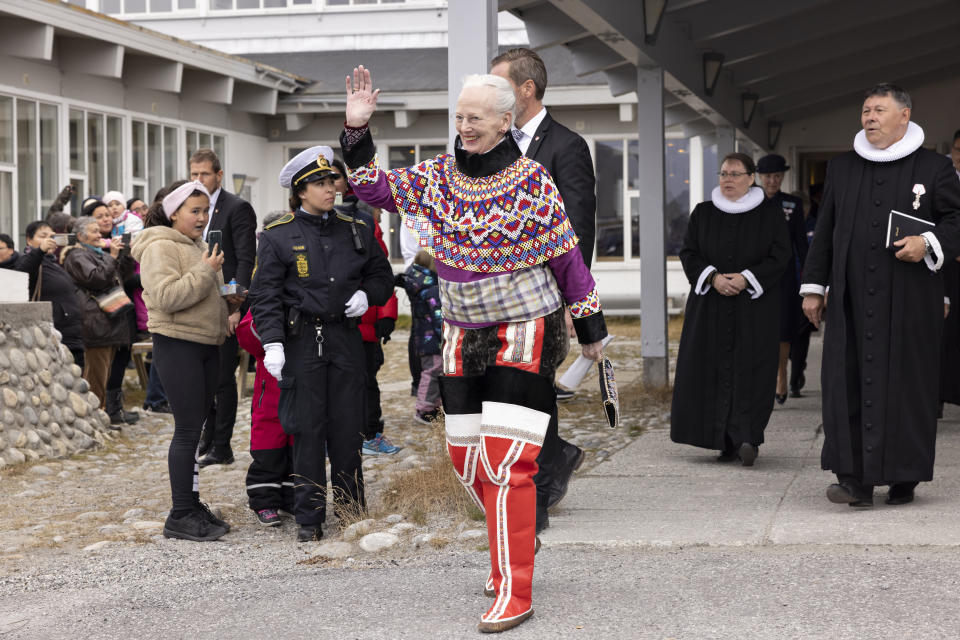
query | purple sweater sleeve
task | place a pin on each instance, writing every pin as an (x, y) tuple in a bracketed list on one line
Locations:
[(572, 275), (376, 194)]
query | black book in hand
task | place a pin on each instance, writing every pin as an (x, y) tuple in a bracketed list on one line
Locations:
[(900, 225)]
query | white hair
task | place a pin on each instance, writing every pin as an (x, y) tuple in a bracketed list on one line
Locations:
[(503, 98)]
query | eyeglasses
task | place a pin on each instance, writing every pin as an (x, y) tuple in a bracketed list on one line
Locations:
[(732, 174)]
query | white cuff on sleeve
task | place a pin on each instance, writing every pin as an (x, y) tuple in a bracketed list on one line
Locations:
[(937, 251), (702, 285), (946, 300), (812, 289), (753, 285)]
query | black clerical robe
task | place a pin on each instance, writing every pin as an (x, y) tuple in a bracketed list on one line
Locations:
[(727, 364), (950, 349), (884, 317), (791, 315)]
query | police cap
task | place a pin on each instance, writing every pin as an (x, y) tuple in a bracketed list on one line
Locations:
[(307, 166)]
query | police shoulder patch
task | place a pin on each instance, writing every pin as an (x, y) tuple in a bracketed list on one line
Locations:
[(284, 220), (347, 218)]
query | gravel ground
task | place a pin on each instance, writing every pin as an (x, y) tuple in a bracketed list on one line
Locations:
[(112, 501)]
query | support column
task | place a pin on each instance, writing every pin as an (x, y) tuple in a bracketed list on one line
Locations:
[(726, 142), (472, 43), (653, 264)]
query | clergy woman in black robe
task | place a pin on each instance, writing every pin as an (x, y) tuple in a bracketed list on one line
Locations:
[(735, 250)]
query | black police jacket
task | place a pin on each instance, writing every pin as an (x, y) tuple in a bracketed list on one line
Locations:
[(313, 265)]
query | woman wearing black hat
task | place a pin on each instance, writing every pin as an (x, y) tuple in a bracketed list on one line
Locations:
[(771, 169)]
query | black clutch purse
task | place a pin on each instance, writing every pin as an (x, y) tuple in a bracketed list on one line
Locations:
[(608, 392)]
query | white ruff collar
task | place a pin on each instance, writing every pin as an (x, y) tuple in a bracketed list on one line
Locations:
[(903, 147), (749, 201)]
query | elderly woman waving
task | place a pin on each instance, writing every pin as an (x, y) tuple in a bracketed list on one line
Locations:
[(734, 253), (508, 261)]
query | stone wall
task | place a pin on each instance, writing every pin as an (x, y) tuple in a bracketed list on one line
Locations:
[(46, 408)]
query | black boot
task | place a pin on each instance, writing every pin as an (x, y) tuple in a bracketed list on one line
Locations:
[(114, 408)]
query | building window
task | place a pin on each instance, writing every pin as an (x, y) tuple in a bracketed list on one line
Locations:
[(96, 157), (609, 158), (35, 162), (676, 206), (404, 156), (206, 140), (155, 155)]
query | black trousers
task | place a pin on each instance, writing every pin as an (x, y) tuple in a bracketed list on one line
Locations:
[(188, 371), (373, 353), (223, 412), (798, 354), (323, 405), (413, 358), (269, 481), (118, 367)]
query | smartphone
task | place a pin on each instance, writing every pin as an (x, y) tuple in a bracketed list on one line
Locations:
[(65, 239), (125, 239), (214, 237)]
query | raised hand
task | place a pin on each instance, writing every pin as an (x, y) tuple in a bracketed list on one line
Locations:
[(361, 98)]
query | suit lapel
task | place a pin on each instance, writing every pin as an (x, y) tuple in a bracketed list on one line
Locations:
[(538, 137)]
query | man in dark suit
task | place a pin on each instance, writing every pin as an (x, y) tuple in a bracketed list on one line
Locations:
[(566, 156), (235, 218)]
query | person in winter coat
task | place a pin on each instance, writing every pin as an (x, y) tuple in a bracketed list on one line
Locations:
[(188, 319), (269, 477), (96, 272), (421, 283), (49, 282)]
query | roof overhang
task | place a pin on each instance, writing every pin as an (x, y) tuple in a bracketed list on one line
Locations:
[(88, 42), (787, 58)]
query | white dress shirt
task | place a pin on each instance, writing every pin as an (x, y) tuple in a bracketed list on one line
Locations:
[(528, 130), (213, 204)]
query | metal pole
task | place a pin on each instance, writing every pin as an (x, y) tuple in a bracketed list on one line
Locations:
[(471, 44), (653, 269)]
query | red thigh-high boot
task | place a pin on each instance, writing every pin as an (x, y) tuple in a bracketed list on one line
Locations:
[(516, 411), (462, 404)]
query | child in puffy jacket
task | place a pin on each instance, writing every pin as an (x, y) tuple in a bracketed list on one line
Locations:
[(269, 479), (422, 286)]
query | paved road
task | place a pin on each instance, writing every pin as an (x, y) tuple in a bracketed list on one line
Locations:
[(659, 542)]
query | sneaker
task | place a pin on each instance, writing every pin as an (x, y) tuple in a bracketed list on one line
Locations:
[(379, 446), (268, 517), (563, 394), (193, 526), (426, 417), (211, 516), (160, 407)]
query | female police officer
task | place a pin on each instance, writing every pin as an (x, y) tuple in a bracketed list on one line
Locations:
[(317, 272)]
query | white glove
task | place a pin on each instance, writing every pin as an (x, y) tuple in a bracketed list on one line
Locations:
[(274, 359), (357, 304)]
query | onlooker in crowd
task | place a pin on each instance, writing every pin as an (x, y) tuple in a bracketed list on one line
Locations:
[(235, 219), (270, 478), (506, 292), (155, 399), (950, 354), (113, 404), (50, 282), (8, 252), (96, 272), (375, 325), (188, 320), (318, 271), (138, 207), (124, 221), (409, 247), (421, 283), (881, 349), (735, 250), (566, 157), (770, 169)]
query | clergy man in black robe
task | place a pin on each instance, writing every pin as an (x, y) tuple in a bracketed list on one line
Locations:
[(881, 350), (735, 250)]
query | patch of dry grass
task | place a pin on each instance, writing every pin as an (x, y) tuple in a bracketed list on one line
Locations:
[(431, 489)]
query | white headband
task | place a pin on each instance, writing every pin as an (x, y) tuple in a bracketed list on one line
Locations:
[(178, 196)]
